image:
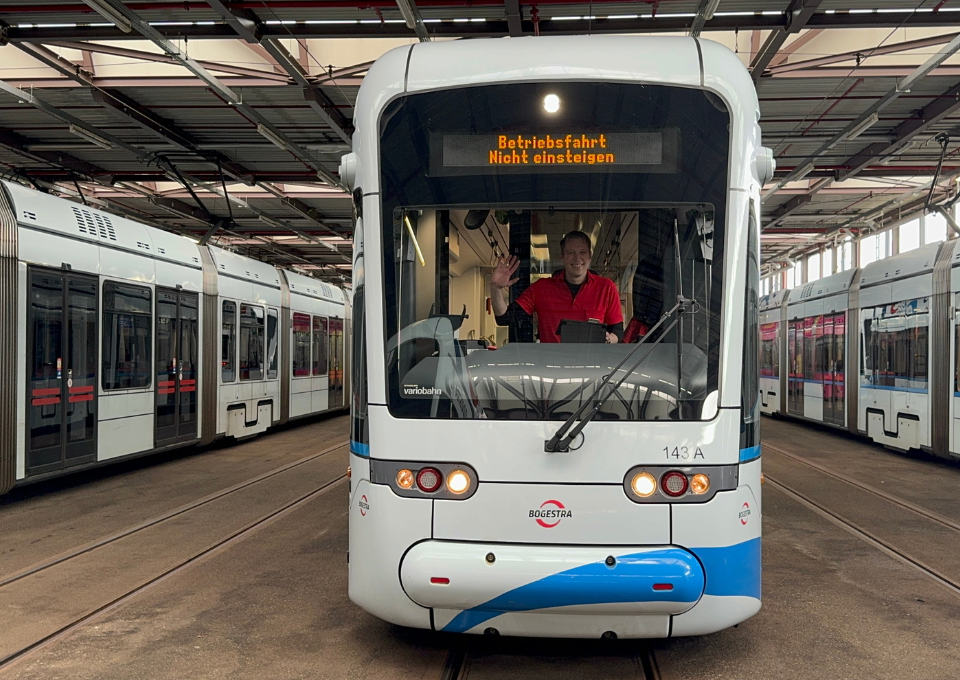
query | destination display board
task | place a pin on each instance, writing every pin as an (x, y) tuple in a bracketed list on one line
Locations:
[(649, 151)]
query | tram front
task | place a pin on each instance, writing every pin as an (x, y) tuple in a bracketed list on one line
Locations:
[(521, 464)]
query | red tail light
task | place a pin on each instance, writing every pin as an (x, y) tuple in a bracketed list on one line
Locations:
[(430, 479), (674, 484)]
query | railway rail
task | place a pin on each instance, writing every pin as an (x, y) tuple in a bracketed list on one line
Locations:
[(288, 506), (857, 529), (459, 663)]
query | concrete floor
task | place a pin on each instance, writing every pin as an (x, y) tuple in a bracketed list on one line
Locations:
[(275, 604)]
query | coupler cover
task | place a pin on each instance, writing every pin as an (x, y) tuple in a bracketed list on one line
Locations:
[(486, 580)]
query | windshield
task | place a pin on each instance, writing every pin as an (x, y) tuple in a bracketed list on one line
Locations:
[(528, 254)]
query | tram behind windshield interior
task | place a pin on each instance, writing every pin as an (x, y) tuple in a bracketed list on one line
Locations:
[(491, 186)]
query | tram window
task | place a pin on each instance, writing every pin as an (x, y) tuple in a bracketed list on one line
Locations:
[(770, 350), (301, 345), (273, 343), (319, 345), (896, 343), (251, 342), (228, 342), (127, 339), (358, 355), (956, 359), (750, 390), (452, 208)]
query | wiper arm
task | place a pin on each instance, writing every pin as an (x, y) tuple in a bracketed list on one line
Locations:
[(561, 439)]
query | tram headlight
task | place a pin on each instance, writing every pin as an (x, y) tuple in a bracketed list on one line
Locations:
[(644, 485), (551, 103), (699, 484), (458, 482), (429, 479), (404, 479)]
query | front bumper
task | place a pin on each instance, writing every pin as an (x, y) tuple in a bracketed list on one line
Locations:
[(478, 582)]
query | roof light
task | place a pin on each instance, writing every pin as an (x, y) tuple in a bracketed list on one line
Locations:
[(271, 135), (110, 13), (90, 137), (551, 103), (864, 125), (804, 171)]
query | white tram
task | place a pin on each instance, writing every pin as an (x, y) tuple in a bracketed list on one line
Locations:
[(120, 340), (476, 504), (871, 350)]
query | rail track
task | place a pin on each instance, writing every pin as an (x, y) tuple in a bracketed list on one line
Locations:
[(860, 531), (197, 556), (459, 662)]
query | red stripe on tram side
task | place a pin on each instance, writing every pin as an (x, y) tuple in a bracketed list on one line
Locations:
[(81, 397), (168, 390), (46, 401), (188, 382), (188, 389), (46, 391), (81, 390), (166, 383)]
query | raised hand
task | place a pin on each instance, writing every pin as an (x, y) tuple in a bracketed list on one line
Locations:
[(505, 269)]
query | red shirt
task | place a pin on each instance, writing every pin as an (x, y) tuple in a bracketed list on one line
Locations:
[(553, 302)]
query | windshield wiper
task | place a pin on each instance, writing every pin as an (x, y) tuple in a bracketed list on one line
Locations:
[(561, 439)]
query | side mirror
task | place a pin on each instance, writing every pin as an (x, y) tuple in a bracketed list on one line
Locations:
[(764, 165)]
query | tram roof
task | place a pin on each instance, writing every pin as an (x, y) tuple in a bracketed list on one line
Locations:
[(821, 68)]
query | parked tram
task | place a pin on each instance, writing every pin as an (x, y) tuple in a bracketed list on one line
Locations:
[(503, 484), (872, 351), (120, 340)]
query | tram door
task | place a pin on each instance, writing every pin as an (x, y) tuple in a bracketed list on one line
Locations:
[(833, 378), (176, 380), (335, 349), (795, 368), (61, 370)]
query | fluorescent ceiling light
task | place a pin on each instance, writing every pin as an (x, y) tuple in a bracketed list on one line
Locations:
[(110, 13), (804, 171), (90, 137), (864, 125), (271, 135), (408, 13)]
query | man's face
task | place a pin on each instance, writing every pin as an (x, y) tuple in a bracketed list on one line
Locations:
[(576, 257)]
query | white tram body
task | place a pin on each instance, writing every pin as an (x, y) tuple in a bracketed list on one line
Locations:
[(461, 519), (120, 339), (872, 350)]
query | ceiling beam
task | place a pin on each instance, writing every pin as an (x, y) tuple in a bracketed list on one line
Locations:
[(315, 97), (511, 8), (221, 90), (126, 107), (492, 27), (791, 206), (873, 110), (19, 144), (166, 59), (167, 130), (877, 51), (411, 15), (799, 12), (944, 105), (250, 28), (169, 171), (704, 13), (788, 50)]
